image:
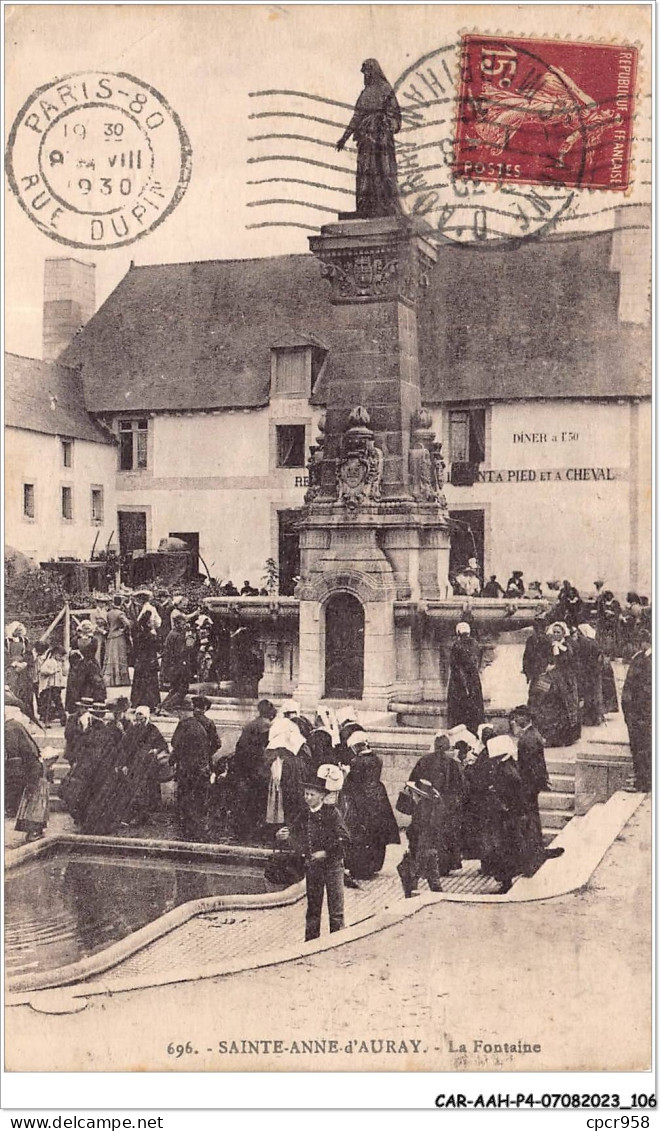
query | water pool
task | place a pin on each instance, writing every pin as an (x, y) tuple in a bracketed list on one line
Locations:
[(72, 902)]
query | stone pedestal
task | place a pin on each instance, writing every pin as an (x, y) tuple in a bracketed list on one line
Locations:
[(376, 521)]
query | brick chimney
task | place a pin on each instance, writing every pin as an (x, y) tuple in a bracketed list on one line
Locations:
[(69, 302), (631, 257)]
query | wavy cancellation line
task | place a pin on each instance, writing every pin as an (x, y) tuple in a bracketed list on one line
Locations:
[(335, 125), (283, 200), (303, 160), (300, 181), (284, 224), (301, 94)]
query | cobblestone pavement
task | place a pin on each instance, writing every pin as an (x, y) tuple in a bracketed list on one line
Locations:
[(209, 943), (556, 973)]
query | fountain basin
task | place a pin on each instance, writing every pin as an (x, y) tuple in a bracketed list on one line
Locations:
[(77, 905)]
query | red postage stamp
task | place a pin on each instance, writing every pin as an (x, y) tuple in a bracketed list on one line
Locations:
[(545, 112)]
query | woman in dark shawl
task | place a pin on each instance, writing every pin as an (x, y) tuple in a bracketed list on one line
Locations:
[(609, 618), (538, 650), (324, 741), (465, 703), (554, 697), (145, 691), (446, 777), (141, 745), (610, 697), (375, 120), (92, 792), (367, 811), (74, 681), (496, 794), (92, 684), (285, 764)]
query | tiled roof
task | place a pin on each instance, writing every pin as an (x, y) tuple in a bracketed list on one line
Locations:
[(536, 319), (46, 396)]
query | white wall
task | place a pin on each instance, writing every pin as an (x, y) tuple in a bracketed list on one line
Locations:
[(34, 457), (216, 474), (227, 444), (551, 523)]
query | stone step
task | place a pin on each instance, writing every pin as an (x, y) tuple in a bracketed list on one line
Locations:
[(561, 767), (556, 800), (563, 783), (555, 818)]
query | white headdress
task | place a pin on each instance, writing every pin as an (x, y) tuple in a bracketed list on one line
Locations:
[(346, 715), (284, 733), (332, 775), (327, 721), (501, 746)]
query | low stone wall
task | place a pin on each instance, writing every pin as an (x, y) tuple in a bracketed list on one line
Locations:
[(602, 769)]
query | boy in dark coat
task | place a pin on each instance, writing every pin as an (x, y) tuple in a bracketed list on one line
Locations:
[(320, 836)]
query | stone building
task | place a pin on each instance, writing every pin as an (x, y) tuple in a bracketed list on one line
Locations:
[(212, 377), (60, 464)]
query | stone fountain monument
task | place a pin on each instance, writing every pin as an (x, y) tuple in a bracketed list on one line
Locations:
[(373, 617), (375, 531), (374, 613)]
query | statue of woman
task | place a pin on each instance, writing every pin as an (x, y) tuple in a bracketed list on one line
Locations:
[(375, 120)]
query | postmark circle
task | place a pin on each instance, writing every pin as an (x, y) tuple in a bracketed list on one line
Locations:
[(98, 159), (464, 211)]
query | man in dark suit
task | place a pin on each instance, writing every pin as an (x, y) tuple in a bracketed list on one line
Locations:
[(534, 776), (637, 705)]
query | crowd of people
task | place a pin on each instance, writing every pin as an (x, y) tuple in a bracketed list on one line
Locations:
[(118, 763), (567, 662), (617, 626), (156, 644), (311, 787), (477, 797)]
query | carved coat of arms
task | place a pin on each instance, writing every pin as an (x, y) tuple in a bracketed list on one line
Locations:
[(353, 480)]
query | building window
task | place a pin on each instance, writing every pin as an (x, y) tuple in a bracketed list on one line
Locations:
[(97, 506), (467, 430), (290, 445), (133, 444), (28, 500), (67, 504), (291, 371), (67, 453)]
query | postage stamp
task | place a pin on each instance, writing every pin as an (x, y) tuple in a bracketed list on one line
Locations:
[(545, 112), (97, 159), (466, 210)]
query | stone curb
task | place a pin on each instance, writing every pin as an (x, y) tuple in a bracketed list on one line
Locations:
[(559, 877), (117, 952)]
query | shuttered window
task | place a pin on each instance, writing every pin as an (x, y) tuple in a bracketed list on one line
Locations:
[(291, 372), (97, 506), (67, 504), (28, 500)]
